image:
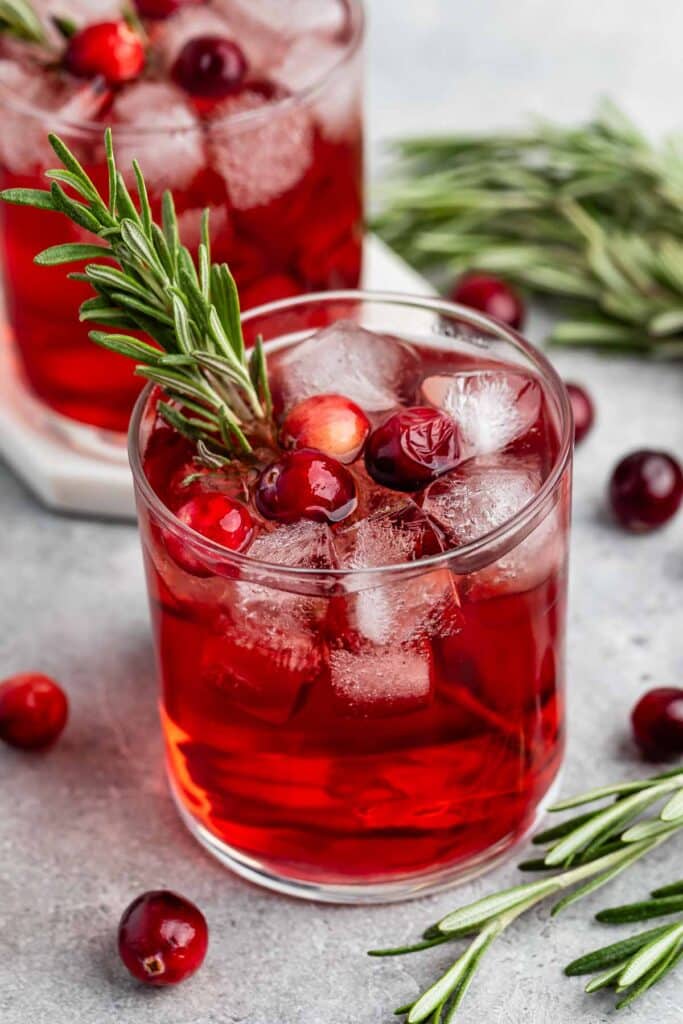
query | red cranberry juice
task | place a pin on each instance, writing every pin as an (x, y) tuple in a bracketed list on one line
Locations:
[(277, 159), (387, 726)]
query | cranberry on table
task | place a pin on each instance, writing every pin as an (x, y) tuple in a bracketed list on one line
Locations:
[(110, 48), (306, 484), (162, 938), (412, 448), (645, 490), (657, 721), (582, 409), (210, 67), (331, 424), (33, 711), (491, 296)]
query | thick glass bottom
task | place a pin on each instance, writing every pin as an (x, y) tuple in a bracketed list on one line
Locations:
[(393, 890)]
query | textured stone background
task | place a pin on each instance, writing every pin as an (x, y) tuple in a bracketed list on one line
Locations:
[(88, 826)]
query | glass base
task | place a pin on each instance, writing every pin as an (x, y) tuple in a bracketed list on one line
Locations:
[(398, 888)]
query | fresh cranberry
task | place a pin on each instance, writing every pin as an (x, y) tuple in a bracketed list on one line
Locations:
[(110, 48), (215, 516), (33, 711), (582, 408), (211, 67), (657, 721), (162, 938), (412, 448), (306, 484), (157, 9), (645, 490), (329, 423), (491, 296)]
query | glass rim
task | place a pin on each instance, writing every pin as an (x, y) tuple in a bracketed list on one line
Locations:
[(300, 97), (511, 528)]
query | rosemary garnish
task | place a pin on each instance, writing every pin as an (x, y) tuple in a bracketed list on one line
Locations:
[(219, 393), (589, 851), (591, 216), (17, 18), (634, 965)]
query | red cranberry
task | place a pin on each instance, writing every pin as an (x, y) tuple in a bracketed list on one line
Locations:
[(657, 721), (210, 66), (162, 938), (157, 9), (329, 423), (110, 48), (645, 490), (306, 484), (216, 516), (33, 711), (582, 409), (491, 296), (412, 448)]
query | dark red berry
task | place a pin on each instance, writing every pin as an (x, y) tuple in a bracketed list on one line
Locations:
[(582, 409), (33, 711), (657, 721), (331, 424), (211, 67), (162, 938), (412, 448), (306, 484), (157, 9), (491, 296), (111, 49), (222, 519), (645, 490)]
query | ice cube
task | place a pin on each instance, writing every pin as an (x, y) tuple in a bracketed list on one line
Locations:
[(394, 610), (191, 20), (337, 103), (293, 17), (259, 38), (492, 407), (23, 137), (376, 371), (154, 124), (266, 155), (375, 683), (483, 494)]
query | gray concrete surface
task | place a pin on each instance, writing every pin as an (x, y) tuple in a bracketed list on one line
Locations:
[(87, 826)]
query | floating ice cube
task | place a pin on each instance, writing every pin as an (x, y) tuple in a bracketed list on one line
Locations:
[(164, 135), (337, 103), (374, 370), (483, 494), (23, 137), (375, 683), (492, 407), (265, 156), (292, 17), (191, 20), (259, 38)]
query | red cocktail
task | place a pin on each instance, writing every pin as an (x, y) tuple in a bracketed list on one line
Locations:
[(367, 700), (252, 109)]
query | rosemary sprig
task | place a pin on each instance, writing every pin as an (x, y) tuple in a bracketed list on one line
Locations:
[(634, 965), (219, 393), (591, 216), (585, 853), (18, 18)]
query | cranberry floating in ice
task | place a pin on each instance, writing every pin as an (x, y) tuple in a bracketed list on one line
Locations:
[(491, 296), (645, 490), (657, 722), (215, 516), (582, 410), (412, 448), (306, 484), (33, 711), (110, 49), (331, 424), (162, 938)]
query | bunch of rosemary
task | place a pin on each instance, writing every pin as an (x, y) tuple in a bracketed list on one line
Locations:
[(583, 853), (590, 216)]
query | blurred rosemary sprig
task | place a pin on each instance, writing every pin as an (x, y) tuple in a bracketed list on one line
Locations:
[(591, 216), (219, 393), (18, 18), (582, 854)]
